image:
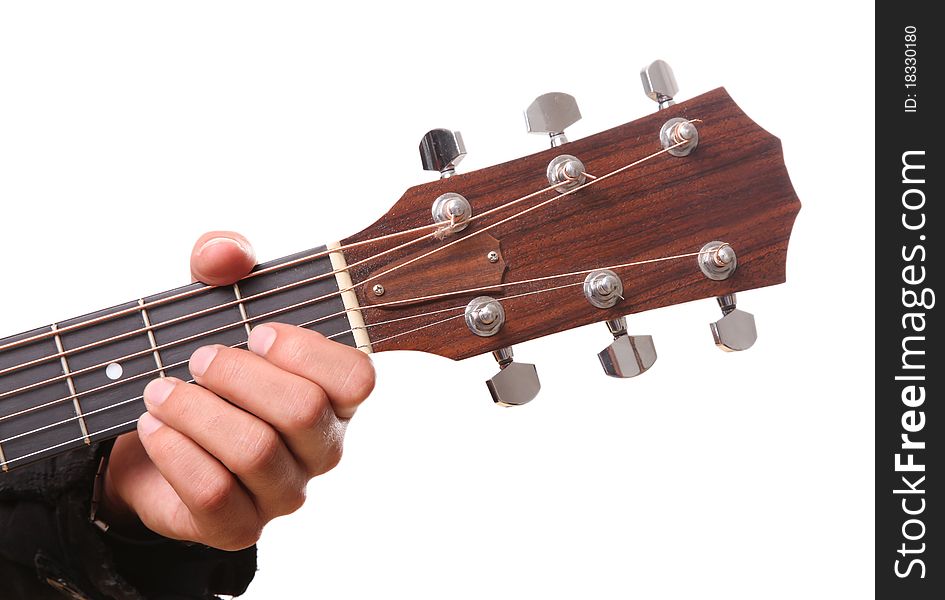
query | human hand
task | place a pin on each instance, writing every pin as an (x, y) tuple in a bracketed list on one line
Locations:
[(214, 462)]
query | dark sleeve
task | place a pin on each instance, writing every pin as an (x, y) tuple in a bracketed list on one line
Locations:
[(49, 548)]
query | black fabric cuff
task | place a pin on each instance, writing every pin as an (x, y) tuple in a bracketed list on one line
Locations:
[(45, 529)]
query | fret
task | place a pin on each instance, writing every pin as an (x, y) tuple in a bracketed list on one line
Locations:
[(32, 421), (179, 339), (239, 296), (110, 377), (151, 340), (329, 311), (71, 384), (82, 380)]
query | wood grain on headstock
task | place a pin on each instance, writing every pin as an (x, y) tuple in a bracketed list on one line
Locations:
[(734, 187)]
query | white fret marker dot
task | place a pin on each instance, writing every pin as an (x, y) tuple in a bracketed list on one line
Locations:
[(113, 371)]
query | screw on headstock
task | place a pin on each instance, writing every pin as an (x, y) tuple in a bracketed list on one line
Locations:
[(659, 83), (551, 114), (441, 150)]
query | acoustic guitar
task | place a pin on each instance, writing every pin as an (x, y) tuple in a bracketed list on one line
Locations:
[(691, 202)]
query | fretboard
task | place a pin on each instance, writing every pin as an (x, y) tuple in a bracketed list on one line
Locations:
[(80, 381)]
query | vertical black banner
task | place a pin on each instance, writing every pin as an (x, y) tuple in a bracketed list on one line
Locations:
[(910, 373)]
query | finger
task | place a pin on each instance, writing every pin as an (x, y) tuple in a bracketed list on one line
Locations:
[(218, 511), (247, 446), (221, 258), (346, 374), (297, 407)]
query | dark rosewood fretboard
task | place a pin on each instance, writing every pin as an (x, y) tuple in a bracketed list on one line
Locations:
[(77, 385)]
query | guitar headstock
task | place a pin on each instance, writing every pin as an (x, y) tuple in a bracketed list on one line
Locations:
[(690, 202)]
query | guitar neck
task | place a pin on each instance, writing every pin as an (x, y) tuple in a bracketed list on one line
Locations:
[(81, 380)]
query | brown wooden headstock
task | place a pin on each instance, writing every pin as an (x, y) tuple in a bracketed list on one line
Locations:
[(733, 187)]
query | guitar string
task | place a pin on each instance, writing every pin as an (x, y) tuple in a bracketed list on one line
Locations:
[(437, 227), (236, 302), (183, 295), (309, 323), (339, 314)]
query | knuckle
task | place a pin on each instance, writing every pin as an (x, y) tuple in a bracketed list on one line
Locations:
[(293, 500), (359, 383), (227, 365), (331, 455), (258, 449), (242, 534), (293, 349), (215, 494), (310, 408)]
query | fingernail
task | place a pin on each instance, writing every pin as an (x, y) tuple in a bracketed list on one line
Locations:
[(200, 360), (221, 240), (261, 339), (148, 424), (157, 391)]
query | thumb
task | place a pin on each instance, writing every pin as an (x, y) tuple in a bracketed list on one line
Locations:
[(221, 258)]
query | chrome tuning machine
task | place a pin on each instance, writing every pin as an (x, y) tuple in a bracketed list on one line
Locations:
[(628, 355), (659, 83), (441, 150), (735, 331), (516, 383), (551, 114)]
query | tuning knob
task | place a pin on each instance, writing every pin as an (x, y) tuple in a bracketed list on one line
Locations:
[(659, 83), (441, 150), (628, 355), (735, 331), (515, 383), (552, 113)]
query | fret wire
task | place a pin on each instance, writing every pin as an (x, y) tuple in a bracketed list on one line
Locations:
[(102, 388), (71, 384), (151, 340), (70, 419), (4, 463), (66, 443), (239, 297), (172, 343), (375, 276)]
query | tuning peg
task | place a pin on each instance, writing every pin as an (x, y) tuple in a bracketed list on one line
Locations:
[(659, 83), (552, 113), (441, 150), (515, 383), (735, 331), (628, 355)]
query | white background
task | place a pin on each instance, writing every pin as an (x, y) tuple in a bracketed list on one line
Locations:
[(128, 129)]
